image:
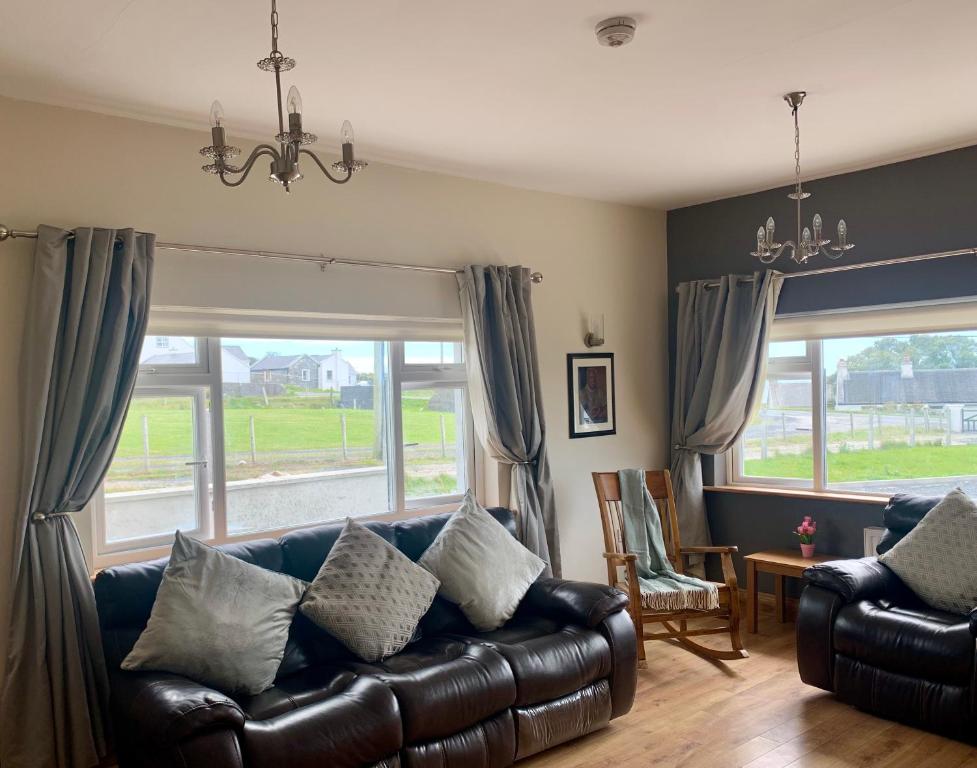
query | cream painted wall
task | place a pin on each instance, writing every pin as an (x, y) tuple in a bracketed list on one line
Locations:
[(70, 168)]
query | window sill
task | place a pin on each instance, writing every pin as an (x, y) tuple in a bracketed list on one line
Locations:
[(801, 493)]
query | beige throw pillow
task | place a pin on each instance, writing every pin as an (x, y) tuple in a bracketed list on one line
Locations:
[(217, 620), (938, 558), (482, 568), (368, 594)]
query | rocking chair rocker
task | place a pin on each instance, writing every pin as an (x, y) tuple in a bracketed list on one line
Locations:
[(675, 623)]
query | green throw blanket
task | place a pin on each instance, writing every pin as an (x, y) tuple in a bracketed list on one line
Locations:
[(662, 588)]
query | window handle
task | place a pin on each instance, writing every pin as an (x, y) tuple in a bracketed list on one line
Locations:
[(201, 463)]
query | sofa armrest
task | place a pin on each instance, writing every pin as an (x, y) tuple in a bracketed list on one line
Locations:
[(853, 580), (577, 601), (162, 708), (973, 622)]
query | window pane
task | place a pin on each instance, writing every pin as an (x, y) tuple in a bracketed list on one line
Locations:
[(434, 442), (788, 349), (304, 434), (779, 440), (432, 352), (150, 488), (168, 350), (902, 413)]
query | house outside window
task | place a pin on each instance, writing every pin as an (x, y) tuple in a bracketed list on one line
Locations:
[(875, 414), (229, 453)]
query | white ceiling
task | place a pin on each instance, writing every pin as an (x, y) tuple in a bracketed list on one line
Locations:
[(519, 92)]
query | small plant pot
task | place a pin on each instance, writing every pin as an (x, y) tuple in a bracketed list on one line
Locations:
[(807, 550)]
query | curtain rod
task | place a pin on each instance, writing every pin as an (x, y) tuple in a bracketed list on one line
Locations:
[(322, 260), (862, 265)]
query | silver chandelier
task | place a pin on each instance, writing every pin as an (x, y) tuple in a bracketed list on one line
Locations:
[(284, 157), (806, 245)]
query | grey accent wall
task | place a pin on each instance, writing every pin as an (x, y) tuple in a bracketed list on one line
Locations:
[(918, 206)]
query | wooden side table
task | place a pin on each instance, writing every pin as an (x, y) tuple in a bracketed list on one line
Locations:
[(781, 563)]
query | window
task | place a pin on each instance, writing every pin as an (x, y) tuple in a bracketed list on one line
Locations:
[(873, 414), (223, 452)]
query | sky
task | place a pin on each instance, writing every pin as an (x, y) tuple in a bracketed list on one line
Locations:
[(835, 349)]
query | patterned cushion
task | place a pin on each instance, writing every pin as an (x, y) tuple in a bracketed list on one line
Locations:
[(938, 558), (368, 594)]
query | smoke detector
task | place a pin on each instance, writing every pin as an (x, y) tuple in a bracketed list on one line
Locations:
[(616, 31)]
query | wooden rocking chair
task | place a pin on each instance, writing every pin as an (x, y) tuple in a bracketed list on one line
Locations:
[(675, 623)]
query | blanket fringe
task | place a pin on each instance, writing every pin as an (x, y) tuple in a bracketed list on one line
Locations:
[(681, 600)]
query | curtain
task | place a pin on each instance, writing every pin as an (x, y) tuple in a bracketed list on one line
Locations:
[(86, 318), (720, 363), (507, 404)]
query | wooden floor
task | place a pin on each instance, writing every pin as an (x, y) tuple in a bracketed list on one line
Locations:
[(752, 713)]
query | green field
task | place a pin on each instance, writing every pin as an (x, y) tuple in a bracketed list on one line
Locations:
[(285, 424), (889, 462)]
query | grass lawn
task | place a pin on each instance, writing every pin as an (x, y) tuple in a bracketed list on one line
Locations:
[(891, 462), (286, 424)]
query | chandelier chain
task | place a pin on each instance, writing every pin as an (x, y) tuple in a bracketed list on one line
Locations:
[(274, 26)]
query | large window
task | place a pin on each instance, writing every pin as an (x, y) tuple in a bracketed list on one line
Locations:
[(874, 414), (236, 437)]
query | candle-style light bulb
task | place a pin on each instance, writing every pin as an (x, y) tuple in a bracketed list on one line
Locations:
[(770, 231), (346, 132), (842, 233), (760, 235), (806, 237), (294, 101), (817, 225), (216, 115)]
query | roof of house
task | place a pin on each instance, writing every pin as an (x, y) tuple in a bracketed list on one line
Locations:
[(170, 358), (276, 362), (936, 386), (235, 351)]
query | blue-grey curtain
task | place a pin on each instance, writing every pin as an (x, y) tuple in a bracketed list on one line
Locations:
[(86, 319), (720, 362), (507, 402)]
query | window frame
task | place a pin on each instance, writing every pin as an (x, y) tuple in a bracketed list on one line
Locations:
[(206, 379), (812, 364)]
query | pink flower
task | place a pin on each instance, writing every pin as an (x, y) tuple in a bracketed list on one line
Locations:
[(807, 518), (800, 529)]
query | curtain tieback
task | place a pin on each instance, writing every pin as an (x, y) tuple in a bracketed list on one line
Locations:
[(40, 517), (520, 463)]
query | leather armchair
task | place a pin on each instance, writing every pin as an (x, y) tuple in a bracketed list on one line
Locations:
[(864, 635)]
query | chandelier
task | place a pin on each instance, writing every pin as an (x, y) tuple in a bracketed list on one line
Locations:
[(284, 157), (807, 244)]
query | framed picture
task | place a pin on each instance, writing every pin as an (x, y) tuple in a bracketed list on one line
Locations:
[(590, 391)]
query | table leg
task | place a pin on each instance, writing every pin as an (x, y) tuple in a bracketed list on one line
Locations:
[(780, 599), (751, 597)]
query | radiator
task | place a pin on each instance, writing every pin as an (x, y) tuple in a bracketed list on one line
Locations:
[(870, 540)]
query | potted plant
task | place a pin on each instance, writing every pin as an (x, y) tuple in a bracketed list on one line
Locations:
[(805, 532)]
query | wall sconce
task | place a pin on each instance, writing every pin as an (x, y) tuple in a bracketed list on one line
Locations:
[(595, 331)]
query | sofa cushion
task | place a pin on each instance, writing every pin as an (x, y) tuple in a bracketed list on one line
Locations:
[(482, 568), (920, 642), (218, 620), (488, 744), (305, 550), (938, 558), (368, 594), (295, 691), (358, 725), (443, 686), (549, 660)]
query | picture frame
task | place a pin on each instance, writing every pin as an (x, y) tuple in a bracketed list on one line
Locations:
[(591, 395)]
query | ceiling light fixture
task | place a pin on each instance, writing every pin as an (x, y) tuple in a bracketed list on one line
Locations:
[(806, 245), (285, 157)]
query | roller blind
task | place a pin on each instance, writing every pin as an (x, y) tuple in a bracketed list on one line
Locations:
[(947, 315)]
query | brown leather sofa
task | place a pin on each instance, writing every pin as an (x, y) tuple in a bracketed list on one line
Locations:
[(562, 667)]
